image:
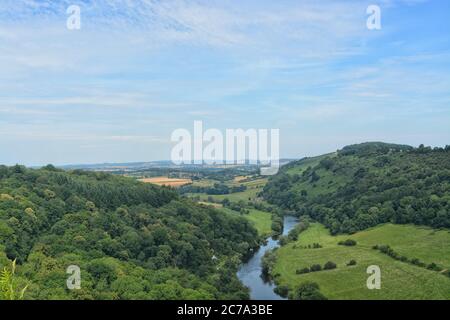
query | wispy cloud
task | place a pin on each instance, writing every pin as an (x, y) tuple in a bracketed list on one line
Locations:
[(138, 69)]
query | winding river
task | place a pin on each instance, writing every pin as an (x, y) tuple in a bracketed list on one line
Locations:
[(250, 272)]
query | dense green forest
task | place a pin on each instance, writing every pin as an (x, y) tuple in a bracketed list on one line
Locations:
[(365, 185), (131, 240)]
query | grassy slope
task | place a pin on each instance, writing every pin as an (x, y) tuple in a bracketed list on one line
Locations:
[(329, 182), (399, 280), (299, 166), (261, 220)]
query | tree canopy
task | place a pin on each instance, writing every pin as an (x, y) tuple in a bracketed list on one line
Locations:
[(131, 240), (365, 185)]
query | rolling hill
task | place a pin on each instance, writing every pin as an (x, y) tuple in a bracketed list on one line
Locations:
[(364, 185), (393, 200)]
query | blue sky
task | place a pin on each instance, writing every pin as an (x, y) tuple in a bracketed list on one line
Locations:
[(115, 90)]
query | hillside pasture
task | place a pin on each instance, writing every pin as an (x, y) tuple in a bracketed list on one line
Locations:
[(399, 280)]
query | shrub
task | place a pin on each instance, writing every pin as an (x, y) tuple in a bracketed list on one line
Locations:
[(433, 266), (267, 262), (283, 240), (417, 262), (302, 271), (283, 291), (348, 243), (329, 265), (315, 268), (308, 291), (351, 263), (384, 249)]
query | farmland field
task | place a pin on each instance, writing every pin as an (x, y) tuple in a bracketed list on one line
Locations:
[(254, 187), (246, 195), (399, 280), (165, 181)]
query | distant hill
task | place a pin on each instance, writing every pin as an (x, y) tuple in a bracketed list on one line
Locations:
[(163, 164), (367, 184)]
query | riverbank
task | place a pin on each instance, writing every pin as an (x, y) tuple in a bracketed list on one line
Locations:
[(250, 273)]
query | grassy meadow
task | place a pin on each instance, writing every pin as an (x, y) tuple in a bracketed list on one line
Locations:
[(399, 280), (261, 220)]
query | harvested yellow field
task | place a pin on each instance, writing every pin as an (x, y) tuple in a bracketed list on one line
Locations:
[(165, 181), (240, 178), (210, 204)]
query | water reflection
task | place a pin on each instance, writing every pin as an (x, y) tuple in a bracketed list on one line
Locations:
[(250, 272)]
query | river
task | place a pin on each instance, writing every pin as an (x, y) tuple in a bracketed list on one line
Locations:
[(250, 272)]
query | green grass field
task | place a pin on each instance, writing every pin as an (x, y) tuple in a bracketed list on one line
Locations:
[(253, 188), (399, 280), (261, 220), (204, 183), (247, 195)]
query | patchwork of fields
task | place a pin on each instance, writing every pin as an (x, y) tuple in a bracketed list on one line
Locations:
[(399, 280), (261, 220)]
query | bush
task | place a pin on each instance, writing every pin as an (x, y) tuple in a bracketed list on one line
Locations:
[(348, 243), (282, 291), (308, 291), (315, 268), (267, 262), (329, 265), (351, 263), (384, 249), (433, 266), (417, 262), (302, 271), (283, 240)]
